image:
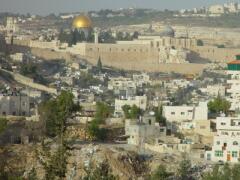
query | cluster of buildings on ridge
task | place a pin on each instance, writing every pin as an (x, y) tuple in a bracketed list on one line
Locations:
[(225, 145), (213, 10), (145, 90), (156, 50)]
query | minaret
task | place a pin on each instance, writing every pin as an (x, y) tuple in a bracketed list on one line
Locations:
[(96, 37)]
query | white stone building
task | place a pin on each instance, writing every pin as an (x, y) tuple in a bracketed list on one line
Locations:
[(139, 101), (121, 84), (140, 130), (216, 9), (186, 113), (14, 105), (234, 83), (11, 25), (18, 57), (226, 144), (141, 79), (231, 7), (214, 90)]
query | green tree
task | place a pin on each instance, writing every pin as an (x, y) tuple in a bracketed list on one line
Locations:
[(103, 111), (55, 163), (213, 175), (184, 169), (218, 105), (106, 37), (135, 112), (96, 132), (64, 37), (200, 42), (54, 113), (221, 46), (159, 116), (120, 36), (28, 69), (218, 173), (131, 112), (126, 109), (76, 36), (135, 35), (32, 175), (99, 65), (236, 172), (86, 80), (3, 124), (101, 172), (81, 37), (160, 173), (223, 173)]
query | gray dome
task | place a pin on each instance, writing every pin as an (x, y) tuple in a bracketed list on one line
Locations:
[(167, 31)]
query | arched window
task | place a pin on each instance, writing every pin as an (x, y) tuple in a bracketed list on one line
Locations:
[(235, 143)]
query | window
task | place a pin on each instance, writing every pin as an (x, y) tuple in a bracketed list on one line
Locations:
[(172, 113), (218, 153), (182, 113), (208, 157), (218, 142), (223, 124), (232, 123), (149, 122), (234, 154), (235, 143)]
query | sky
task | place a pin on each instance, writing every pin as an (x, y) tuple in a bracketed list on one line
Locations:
[(44, 7)]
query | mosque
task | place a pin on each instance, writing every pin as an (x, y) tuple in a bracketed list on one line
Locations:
[(150, 52), (83, 24), (154, 48)]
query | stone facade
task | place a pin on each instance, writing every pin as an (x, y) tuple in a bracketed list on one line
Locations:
[(226, 142), (14, 105)]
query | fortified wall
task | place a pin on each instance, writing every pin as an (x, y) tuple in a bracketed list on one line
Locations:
[(146, 66), (141, 56), (117, 52), (215, 54), (49, 54)]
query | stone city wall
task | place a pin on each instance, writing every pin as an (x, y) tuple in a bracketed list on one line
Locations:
[(115, 54), (50, 55), (21, 42), (144, 65), (30, 83), (215, 54)]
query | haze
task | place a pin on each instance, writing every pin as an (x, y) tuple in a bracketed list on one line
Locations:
[(56, 6)]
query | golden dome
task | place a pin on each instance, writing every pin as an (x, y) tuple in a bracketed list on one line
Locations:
[(82, 22)]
